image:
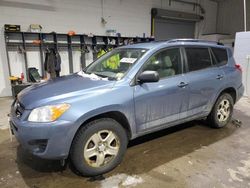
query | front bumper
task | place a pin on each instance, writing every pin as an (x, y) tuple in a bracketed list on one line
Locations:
[(46, 140)]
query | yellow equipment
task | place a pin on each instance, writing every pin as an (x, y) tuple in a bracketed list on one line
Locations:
[(113, 62)]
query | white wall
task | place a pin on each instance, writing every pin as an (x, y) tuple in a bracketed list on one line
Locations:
[(128, 17)]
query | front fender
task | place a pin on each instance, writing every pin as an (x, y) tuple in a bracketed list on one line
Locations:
[(93, 113)]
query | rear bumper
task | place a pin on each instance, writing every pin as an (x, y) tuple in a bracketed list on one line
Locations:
[(240, 92), (45, 140)]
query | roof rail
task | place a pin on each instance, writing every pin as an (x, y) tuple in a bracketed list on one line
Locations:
[(193, 40)]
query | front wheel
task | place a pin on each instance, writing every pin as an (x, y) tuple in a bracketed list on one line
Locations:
[(98, 147), (222, 111)]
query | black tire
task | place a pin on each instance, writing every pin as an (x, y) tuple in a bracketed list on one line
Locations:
[(213, 118), (85, 134)]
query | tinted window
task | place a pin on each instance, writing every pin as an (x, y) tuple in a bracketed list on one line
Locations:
[(166, 63), (198, 58), (220, 56)]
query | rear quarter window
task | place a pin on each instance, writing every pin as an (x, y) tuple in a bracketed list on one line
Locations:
[(220, 55), (198, 58)]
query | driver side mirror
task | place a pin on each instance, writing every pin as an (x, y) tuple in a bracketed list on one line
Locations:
[(148, 76)]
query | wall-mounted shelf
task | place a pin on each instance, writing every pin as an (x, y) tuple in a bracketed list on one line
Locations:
[(27, 41)]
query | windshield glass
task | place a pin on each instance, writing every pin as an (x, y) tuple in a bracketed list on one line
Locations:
[(115, 64)]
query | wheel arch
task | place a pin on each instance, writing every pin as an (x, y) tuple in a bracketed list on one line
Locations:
[(116, 115), (231, 91), (213, 114)]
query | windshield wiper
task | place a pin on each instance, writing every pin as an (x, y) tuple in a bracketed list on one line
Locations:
[(105, 76), (85, 71), (100, 75)]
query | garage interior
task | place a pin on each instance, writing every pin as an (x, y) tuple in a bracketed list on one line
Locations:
[(187, 155)]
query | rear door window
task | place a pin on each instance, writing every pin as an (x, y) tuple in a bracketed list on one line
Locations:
[(220, 55), (198, 58)]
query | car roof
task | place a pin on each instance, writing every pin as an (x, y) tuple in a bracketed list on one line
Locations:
[(174, 42)]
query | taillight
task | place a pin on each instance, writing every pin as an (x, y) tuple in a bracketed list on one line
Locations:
[(237, 66)]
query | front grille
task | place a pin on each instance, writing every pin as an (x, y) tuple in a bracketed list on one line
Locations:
[(18, 108)]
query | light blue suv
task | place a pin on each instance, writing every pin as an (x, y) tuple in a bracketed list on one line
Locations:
[(131, 91)]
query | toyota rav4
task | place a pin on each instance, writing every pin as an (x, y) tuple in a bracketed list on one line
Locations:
[(131, 91)]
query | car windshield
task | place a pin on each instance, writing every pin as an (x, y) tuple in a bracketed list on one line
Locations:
[(115, 64)]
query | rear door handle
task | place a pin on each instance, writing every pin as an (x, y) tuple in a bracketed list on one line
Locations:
[(219, 77), (182, 84)]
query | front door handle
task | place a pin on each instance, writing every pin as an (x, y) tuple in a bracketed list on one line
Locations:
[(182, 84), (219, 77)]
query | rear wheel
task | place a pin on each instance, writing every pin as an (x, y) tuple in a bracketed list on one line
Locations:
[(98, 147), (222, 111)]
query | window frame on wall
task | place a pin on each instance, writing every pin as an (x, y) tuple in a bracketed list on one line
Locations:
[(180, 66)]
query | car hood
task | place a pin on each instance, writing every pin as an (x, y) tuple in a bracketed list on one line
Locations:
[(60, 88)]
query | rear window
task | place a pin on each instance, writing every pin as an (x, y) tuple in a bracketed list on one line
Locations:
[(220, 56), (198, 58)]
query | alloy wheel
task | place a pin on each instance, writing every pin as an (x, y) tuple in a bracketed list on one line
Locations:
[(101, 148), (223, 111)]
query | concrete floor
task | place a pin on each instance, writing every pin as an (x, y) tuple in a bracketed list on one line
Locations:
[(189, 155)]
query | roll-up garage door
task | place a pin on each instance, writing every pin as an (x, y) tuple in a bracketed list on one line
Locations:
[(168, 24), (170, 29)]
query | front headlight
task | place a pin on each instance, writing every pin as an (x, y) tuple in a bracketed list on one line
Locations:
[(48, 113)]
